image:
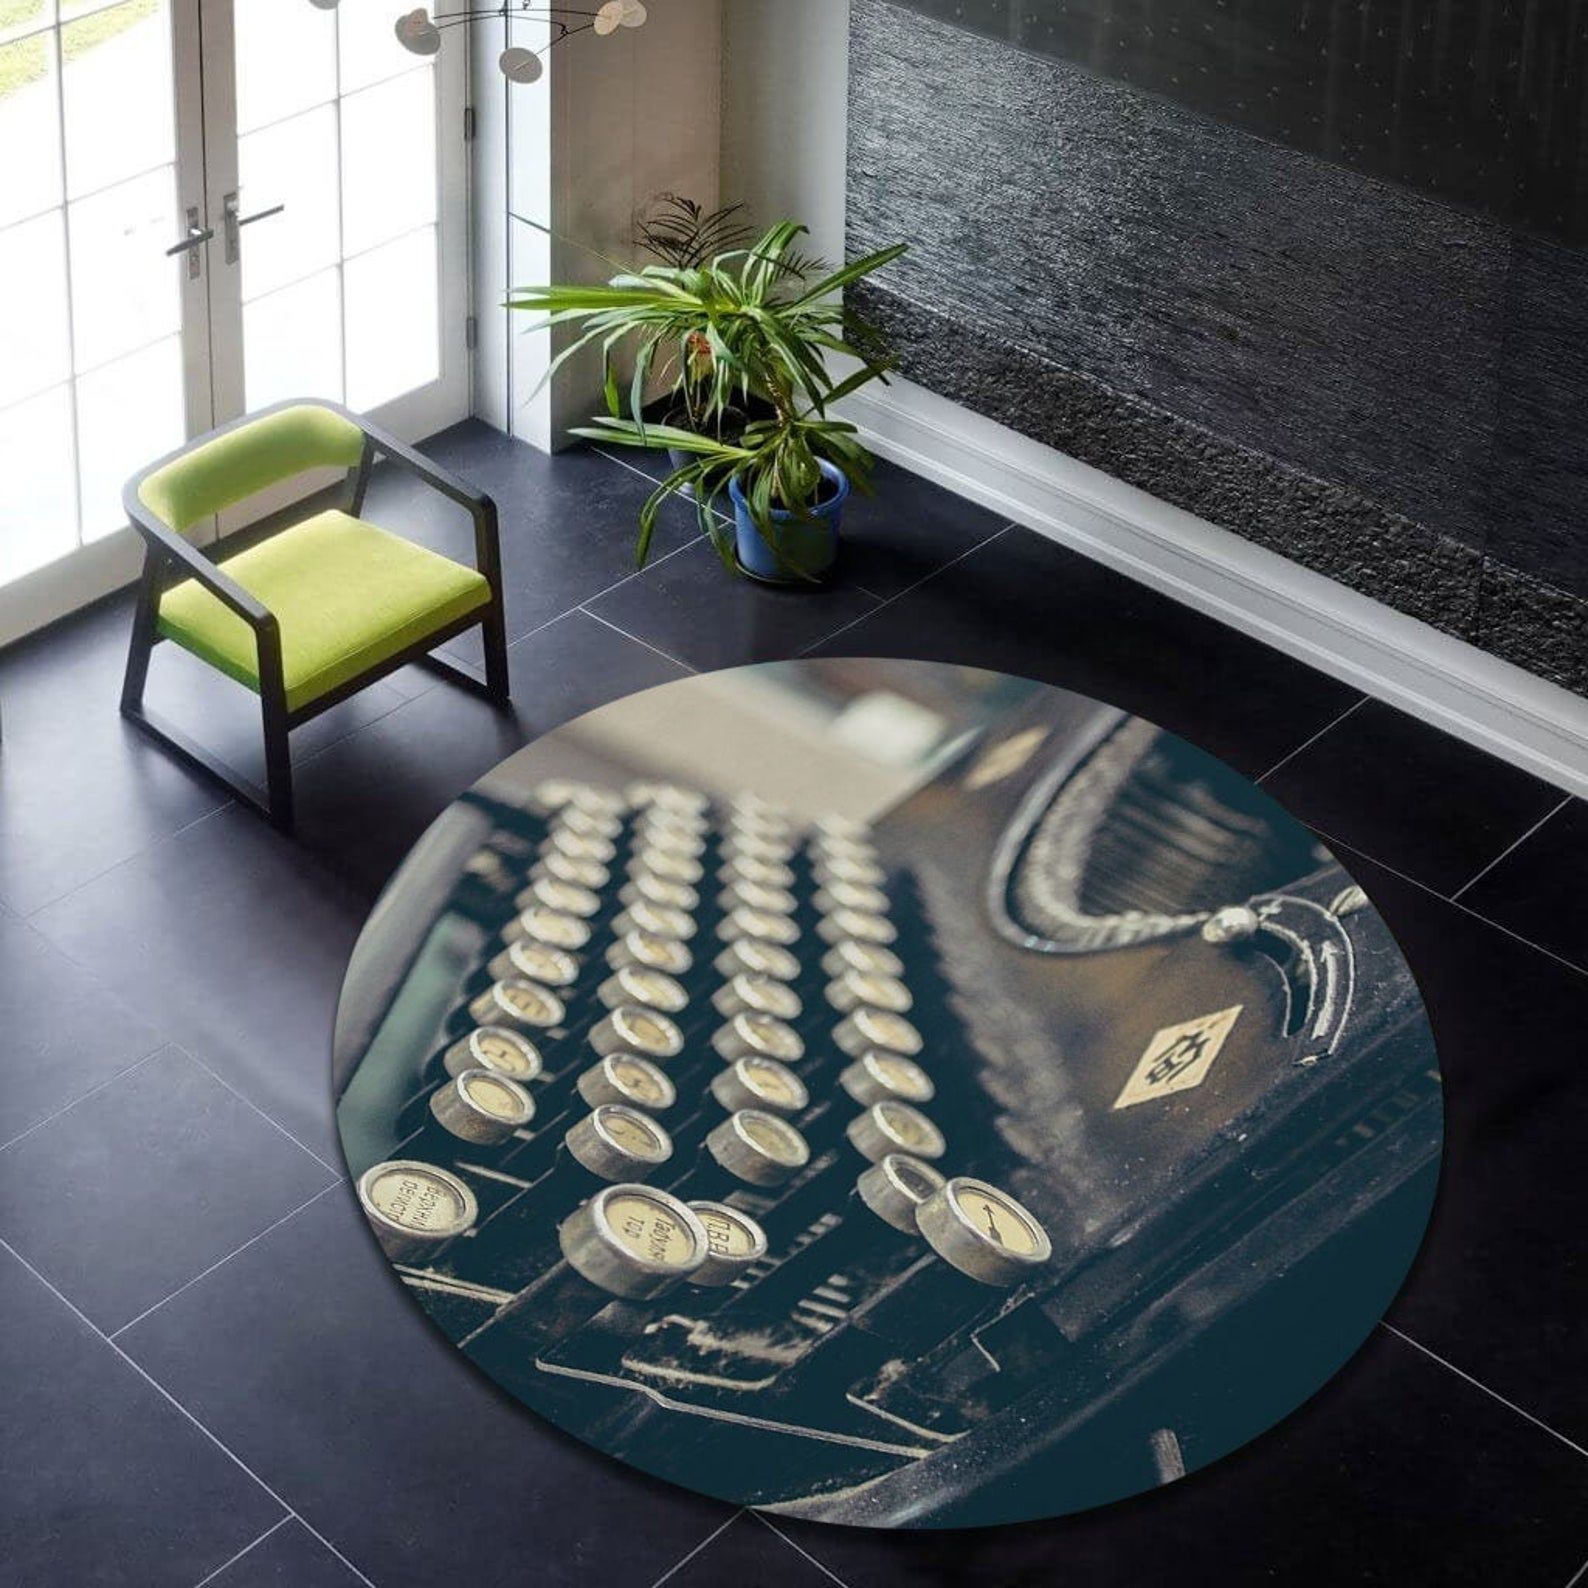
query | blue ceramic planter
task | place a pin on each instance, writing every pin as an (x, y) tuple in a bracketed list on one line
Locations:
[(811, 544)]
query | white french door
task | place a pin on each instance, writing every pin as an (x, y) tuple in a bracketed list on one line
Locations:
[(206, 206)]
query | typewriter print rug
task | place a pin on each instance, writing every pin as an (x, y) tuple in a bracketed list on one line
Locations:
[(888, 1093)]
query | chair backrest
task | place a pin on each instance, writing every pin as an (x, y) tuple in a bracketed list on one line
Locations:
[(235, 463)]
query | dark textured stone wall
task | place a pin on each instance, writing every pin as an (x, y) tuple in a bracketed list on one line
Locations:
[(1384, 387)]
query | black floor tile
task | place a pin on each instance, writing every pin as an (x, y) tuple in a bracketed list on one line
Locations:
[(1397, 1472), (1537, 890), (748, 1554), (65, 1031), (693, 609), (384, 1440), (568, 521), (1410, 796), (291, 1557), (1026, 606), (80, 789), (127, 1195), (1497, 1287), (232, 940), (363, 803), (105, 1481)]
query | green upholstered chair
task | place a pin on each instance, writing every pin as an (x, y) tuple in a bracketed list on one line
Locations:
[(310, 612)]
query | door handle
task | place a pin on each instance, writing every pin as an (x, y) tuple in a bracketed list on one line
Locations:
[(195, 239), (235, 223)]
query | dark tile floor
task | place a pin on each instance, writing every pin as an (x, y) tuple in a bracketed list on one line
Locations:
[(209, 1375)]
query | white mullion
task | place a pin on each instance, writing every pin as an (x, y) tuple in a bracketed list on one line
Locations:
[(341, 222), (71, 312)]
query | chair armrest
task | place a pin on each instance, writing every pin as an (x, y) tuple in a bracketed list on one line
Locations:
[(165, 542)]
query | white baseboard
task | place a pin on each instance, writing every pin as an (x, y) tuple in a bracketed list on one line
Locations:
[(1495, 705)]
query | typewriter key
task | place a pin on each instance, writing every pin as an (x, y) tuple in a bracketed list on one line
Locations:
[(758, 1036), (527, 960), (494, 1048), (828, 851), (657, 919), (760, 1083), (759, 924), (751, 846), (894, 1127), (588, 824), (983, 1232), (741, 893), (560, 794), (840, 829), (582, 873), (653, 889), (649, 951), (879, 1077), (734, 1240), (632, 1029), (857, 989), (765, 873), (860, 925), (617, 1142), (633, 1082), (756, 957), (579, 846), (869, 959), (651, 989), (679, 841), (857, 873), (482, 1107), (877, 1028), (758, 1148), (563, 898), (551, 927), (667, 797), (414, 1208), (757, 995), (851, 896), (517, 1003), (670, 864)]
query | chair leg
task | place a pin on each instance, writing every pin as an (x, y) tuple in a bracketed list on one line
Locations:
[(278, 762), (493, 632), (144, 619)]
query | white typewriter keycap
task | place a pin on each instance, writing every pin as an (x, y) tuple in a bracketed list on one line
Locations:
[(532, 961), (855, 873), (669, 838), (877, 1028), (579, 846), (495, 1048), (765, 873), (618, 1143), (559, 867), (895, 1127), (631, 1241), (650, 951), (654, 889), (559, 794), (652, 989), (882, 1077), (668, 864), (760, 1083), (756, 995), (667, 797), (983, 1232), (740, 894), (870, 959), (758, 1036), (734, 1242), (851, 896), (482, 1107), (632, 1029), (751, 846), (753, 956), (518, 1003), (857, 924), (759, 924), (659, 920), (551, 927), (588, 824), (563, 898), (415, 1209), (857, 989), (624, 1078), (759, 1148)]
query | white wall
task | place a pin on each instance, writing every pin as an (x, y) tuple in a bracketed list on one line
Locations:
[(785, 76)]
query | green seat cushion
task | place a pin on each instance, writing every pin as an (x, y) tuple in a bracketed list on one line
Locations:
[(348, 596)]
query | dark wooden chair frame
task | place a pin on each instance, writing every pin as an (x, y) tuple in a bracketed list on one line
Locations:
[(170, 558)]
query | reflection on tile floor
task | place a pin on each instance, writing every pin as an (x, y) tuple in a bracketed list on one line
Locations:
[(272, 1410)]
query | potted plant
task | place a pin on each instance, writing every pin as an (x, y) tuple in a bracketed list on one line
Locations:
[(744, 341)]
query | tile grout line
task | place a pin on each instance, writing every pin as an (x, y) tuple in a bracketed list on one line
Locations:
[(1578, 1575), (222, 1261), (1328, 727), (899, 595), (666, 656), (1511, 848), (165, 1394), (710, 1538), (1478, 1384), (225, 1564), (650, 479), (778, 1533), (164, 1045), (330, 1168)]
